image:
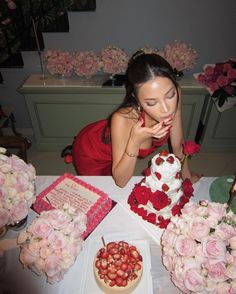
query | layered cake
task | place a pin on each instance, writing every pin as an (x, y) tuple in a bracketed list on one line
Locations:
[(118, 268), (77, 193), (162, 193)]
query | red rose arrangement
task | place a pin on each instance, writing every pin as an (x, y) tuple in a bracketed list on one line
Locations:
[(219, 79), (159, 200)]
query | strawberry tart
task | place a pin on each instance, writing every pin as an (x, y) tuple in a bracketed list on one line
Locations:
[(118, 268), (162, 193)]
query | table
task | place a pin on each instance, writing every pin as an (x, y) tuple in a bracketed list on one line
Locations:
[(16, 280)]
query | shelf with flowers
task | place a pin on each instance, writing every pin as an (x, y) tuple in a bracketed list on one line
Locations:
[(113, 61), (220, 81)]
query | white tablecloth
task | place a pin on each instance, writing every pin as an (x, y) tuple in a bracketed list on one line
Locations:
[(16, 280)]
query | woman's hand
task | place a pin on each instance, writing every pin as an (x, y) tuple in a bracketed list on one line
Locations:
[(139, 134)]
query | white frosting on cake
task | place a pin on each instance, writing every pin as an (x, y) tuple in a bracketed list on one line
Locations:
[(167, 172)]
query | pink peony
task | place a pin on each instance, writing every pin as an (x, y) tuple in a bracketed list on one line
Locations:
[(180, 55), (114, 60), (217, 271), (201, 254), (50, 248), (17, 191), (58, 219), (41, 228), (199, 228), (185, 246), (214, 249), (193, 280)]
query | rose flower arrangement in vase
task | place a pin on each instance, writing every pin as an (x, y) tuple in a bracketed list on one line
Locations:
[(52, 242), (59, 63), (199, 249), (17, 189), (113, 61), (220, 81), (181, 56), (86, 64)]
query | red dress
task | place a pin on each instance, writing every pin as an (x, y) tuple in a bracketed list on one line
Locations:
[(91, 156)]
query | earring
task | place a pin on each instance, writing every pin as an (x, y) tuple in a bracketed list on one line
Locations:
[(139, 108)]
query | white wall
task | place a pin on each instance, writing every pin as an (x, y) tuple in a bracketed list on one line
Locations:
[(209, 25)]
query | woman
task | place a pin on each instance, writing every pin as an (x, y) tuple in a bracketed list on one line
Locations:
[(148, 116)]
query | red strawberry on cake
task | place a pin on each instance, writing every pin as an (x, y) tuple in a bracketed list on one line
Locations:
[(118, 268), (164, 190)]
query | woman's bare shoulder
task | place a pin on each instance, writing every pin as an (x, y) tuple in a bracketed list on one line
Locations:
[(126, 113)]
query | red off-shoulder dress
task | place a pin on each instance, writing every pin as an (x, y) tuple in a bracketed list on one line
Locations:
[(91, 156)]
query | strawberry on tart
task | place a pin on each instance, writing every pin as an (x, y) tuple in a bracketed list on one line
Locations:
[(118, 268), (162, 193)]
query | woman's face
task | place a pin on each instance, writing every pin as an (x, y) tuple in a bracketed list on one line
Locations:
[(158, 98)]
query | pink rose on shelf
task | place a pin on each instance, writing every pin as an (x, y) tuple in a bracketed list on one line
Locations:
[(86, 64), (17, 188), (180, 55), (59, 62), (114, 60), (50, 247), (201, 260)]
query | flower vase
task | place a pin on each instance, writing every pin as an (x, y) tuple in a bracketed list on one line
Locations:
[(19, 225), (112, 80), (178, 74), (3, 231)]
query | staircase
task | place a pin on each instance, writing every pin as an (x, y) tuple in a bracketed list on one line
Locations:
[(22, 23)]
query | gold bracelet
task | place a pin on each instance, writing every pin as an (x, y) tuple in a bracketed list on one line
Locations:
[(130, 154)]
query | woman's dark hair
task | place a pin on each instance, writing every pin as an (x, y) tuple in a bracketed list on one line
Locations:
[(141, 68)]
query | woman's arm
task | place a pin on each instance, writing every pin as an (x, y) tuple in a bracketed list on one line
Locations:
[(127, 135), (123, 144)]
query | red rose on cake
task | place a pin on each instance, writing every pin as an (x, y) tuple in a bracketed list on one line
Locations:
[(162, 193)]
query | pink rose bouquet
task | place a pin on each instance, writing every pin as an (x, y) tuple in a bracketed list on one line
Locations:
[(114, 60), (199, 249), (17, 188), (59, 62), (86, 64), (180, 55), (52, 242), (219, 79)]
